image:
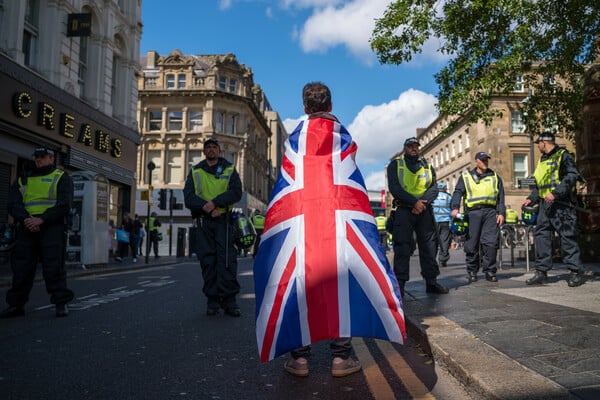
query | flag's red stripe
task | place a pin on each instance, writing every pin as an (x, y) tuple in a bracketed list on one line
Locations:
[(379, 276), (275, 311)]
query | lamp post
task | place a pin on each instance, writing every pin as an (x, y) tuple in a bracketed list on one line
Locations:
[(151, 167)]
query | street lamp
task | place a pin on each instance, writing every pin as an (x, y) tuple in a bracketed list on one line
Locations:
[(151, 167)]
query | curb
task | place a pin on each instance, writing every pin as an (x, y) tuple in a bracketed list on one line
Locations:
[(485, 372)]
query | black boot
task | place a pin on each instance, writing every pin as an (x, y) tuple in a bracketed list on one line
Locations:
[(575, 279), (539, 278), (435, 287)]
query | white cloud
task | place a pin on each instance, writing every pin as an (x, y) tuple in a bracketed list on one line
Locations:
[(350, 24), (291, 124), (224, 4), (380, 131)]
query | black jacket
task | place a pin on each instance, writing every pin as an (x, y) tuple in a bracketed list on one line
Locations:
[(53, 215)]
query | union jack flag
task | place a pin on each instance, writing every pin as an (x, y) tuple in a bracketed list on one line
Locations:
[(320, 272)]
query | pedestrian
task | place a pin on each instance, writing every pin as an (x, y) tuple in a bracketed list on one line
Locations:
[(556, 176), (412, 182), (512, 217), (441, 213), (112, 239), (142, 236), (137, 234), (127, 242), (483, 193), (318, 227), (154, 236), (40, 203), (211, 188), (258, 220)]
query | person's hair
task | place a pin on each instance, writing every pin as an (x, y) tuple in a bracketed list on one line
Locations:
[(316, 97)]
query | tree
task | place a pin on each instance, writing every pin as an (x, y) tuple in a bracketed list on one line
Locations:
[(547, 43)]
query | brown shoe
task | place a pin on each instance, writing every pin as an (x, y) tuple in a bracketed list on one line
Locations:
[(341, 367), (297, 366)]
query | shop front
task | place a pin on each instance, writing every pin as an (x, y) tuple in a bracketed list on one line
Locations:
[(34, 112)]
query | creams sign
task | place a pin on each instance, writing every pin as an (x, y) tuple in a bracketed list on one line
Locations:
[(68, 126)]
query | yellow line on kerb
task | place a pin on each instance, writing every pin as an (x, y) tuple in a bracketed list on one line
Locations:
[(378, 384)]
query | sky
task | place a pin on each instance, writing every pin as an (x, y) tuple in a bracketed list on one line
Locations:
[(288, 43)]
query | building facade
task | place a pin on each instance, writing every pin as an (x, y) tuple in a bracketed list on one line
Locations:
[(183, 101), (67, 72)]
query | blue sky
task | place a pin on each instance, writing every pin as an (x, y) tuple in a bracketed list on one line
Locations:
[(288, 43)]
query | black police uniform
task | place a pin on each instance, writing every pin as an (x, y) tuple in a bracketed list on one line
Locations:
[(214, 247), (559, 216), (46, 246), (405, 223), (483, 228)]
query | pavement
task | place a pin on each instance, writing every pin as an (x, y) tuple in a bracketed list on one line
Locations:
[(503, 340)]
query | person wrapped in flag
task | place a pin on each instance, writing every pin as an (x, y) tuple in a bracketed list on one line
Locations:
[(320, 272)]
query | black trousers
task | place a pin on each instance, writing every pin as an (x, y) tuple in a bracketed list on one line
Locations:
[(218, 259), (46, 247), (445, 237), (562, 219), (405, 223), (340, 347), (483, 231)]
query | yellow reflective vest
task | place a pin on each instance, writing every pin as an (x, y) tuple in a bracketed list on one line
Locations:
[(258, 221), (39, 194), (511, 216), (414, 183), (482, 192), (546, 173), (209, 186), (380, 220)]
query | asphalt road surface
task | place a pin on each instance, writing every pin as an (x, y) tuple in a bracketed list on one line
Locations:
[(144, 334)]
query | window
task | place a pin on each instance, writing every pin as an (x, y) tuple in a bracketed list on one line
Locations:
[(447, 154), (460, 149), (453, 149), (232, 85), (516, 119), (83, 62), (154, 156), (195, 120), (519, 167), (175, 120), (222, 83), (519, 84), (231, 124), (181, 81), (467, 140), (30, 32), (170, 81), (175, 162), (154, 120), (219, 121), (113, 83), (194, 157), (550, 123)]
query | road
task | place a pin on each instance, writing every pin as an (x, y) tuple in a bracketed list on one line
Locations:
[(144, 335)]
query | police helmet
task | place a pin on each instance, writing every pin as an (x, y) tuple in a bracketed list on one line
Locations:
[(529, 214), (8, 237), (459, 225)]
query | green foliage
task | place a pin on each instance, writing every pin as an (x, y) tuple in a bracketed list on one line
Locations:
[(548, 43)]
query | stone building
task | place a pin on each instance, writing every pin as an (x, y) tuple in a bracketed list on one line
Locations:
[(67, 72), (186, 99)]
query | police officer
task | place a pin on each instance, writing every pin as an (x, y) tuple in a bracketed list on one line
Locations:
[(153, 234), (411, 180), (381, 222), (512, 217), (441, 213), (483, 193), (555, 175), (258, 220), (211, 189), (40, 203)]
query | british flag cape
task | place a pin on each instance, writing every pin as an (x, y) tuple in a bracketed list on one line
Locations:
[(320, 272)]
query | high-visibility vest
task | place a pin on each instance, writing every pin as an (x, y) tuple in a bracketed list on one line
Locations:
[(482, 192), (381, 221), (152, 227), (546, 173), (414, 183), (258, 221), (39, 194), (511, 216), (209, 186), (441, 207)]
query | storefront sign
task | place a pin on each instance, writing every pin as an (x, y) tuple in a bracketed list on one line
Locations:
[(79, 25), (68, 125)]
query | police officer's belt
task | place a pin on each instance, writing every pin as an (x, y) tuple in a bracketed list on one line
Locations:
[(480, 207)]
